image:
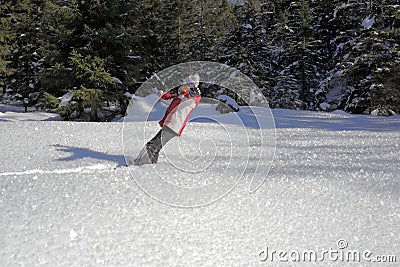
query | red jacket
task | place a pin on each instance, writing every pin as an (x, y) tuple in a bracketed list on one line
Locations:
[(179, 111)]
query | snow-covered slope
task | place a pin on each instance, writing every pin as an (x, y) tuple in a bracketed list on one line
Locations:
[(335, 177)]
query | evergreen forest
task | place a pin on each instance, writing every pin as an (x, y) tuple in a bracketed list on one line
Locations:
[(303, 54)]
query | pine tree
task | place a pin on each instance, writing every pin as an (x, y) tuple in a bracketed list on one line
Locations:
[(27, 57), (309, 63), (215, 19), (241, 47), (7, 38), (369, 55), (288, 46), (61, 23), (90, 30), (383, 59), (92, 80), (176, 31), (328, 33)]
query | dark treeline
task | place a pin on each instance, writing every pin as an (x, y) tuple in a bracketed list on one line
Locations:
[(316, 54)]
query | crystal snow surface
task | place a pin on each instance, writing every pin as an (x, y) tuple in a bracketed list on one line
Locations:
[(66, 200)]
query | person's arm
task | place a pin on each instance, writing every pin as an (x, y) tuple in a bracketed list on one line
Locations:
[(166, 96)]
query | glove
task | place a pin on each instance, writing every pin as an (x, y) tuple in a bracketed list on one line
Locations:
[(194, 91)]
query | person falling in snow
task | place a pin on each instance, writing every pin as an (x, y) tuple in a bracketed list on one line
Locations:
[(174, 121)]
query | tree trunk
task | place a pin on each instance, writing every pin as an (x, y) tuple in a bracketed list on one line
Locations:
[(93, 111)]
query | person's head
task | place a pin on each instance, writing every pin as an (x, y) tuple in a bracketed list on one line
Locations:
[(184, 89), (193, 80)]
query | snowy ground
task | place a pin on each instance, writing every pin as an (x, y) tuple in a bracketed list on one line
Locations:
[(16, 113), (62, 202)]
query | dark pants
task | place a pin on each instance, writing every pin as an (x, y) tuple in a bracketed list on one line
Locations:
[(149, 154)]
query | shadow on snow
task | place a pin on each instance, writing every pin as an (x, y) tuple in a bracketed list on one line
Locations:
[(81, 153)]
